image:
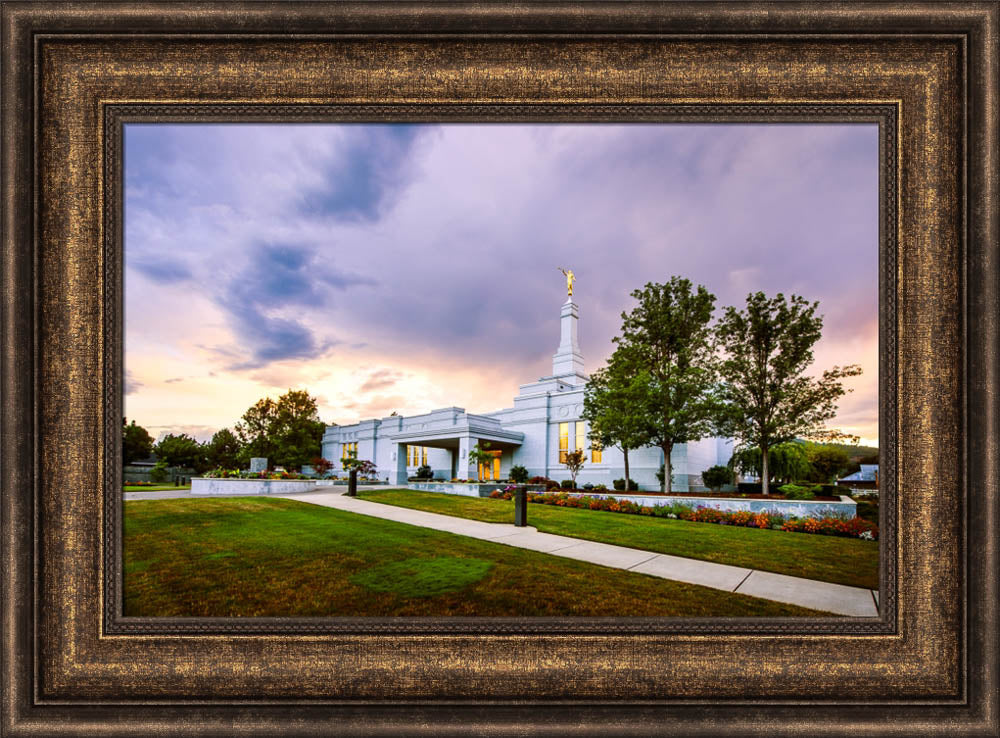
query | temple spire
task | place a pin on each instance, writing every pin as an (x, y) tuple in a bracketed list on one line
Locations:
[(567, 362)]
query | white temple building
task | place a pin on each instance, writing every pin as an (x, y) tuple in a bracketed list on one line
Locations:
[(537, 432)]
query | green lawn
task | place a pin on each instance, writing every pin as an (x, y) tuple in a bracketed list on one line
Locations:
[(252, 556), (152, 487), (847, 561)]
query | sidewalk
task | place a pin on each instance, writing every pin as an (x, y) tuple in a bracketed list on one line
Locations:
[(835, 598)]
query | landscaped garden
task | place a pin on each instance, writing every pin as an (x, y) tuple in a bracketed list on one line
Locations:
[(152, 487), (278, 557), (841, 560)]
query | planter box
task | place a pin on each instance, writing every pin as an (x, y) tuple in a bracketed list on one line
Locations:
[(209, 486)]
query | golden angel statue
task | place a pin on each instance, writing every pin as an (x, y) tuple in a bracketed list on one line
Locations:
[(570, 279)]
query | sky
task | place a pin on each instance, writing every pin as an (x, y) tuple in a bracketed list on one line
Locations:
[(405, 268)]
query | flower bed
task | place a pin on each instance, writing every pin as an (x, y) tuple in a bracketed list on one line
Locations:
[(237, 474), (830, 526)]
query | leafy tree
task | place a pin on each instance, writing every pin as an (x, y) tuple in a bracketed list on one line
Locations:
[(180, 450), (615, 402), (668, 339), (136, 443), (223, 451), (828, 462), (255, 431), (574, 463), (769, 399), (786, 462), (320, 465), (480, 455), (287, 432), (159, 473), (716, 476)]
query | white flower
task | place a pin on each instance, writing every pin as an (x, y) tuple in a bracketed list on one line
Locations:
[(867, 536), (671, 515)]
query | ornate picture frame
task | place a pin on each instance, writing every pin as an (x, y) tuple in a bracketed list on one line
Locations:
[(73, 75)]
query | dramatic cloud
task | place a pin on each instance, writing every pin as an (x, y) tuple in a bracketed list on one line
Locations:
[(407, 267)]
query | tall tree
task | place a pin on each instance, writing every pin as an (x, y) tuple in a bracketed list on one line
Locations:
[(769, 398), (255, 431), (180, 450), (136, 443), (614, 403), (668, 337), (288, 432), (223, 450)]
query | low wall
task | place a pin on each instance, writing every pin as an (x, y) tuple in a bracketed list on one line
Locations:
[(798, 508), (467, 489), (208, 486)]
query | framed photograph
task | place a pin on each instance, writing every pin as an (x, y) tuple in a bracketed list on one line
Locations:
[(427, 238)]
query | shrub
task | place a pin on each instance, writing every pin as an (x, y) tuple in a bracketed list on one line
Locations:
[(538, 480), (600, 487), (425, 472), (620, 485), (716, 476), (567, 484), (588, 486), (159, 472), (551, 484), (749, 488), (518, 474), (797, 492)]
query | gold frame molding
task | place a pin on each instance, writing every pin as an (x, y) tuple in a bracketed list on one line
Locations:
[(74, 74)]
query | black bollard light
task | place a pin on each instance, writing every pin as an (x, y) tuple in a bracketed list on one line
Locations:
[(520, 506), (352, 483)]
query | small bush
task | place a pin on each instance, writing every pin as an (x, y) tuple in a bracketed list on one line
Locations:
[(749, 488), (797, 492), (600, 487), (518, 474), (551, 484), (620, 485), (159, 472), (567, 484), (716, 476), (538, 480)]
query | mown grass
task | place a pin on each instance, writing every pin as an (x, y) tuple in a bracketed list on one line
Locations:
[(278, 557), (153, 487), (847, 561)]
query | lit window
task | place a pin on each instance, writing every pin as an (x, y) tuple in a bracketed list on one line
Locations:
[(563, 442), (423, 455), (596, 451), (581, 435)]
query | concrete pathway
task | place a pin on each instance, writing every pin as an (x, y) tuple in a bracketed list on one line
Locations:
[(835, 598)]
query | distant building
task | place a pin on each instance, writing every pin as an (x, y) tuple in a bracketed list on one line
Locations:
[(866, 478), (537, 432)]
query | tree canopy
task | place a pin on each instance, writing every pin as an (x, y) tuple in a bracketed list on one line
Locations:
[(768, 397), (180, 450), (288, 432), (137, 444), (668, 339), (223, 451), (615, 403)]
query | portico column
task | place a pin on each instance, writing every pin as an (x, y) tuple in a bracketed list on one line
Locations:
[(464, 444), (399, 474)]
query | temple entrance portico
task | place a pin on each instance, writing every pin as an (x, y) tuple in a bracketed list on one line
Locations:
[(459, 440)]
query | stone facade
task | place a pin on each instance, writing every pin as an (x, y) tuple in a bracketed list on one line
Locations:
[(527, 434)]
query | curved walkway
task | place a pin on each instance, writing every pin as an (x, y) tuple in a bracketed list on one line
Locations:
[(835, 598)]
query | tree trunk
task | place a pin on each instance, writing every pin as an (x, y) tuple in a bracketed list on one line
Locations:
[(764, 475), (667, 486), (625, 452)]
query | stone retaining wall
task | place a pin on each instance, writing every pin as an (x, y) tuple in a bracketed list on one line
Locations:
[(209, 486)]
